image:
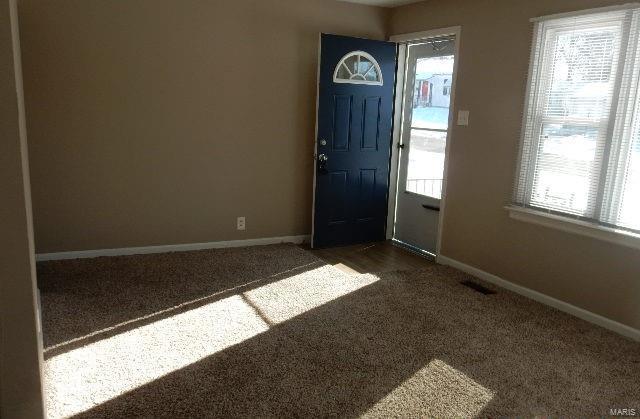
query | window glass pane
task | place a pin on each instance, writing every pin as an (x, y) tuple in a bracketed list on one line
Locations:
[(582, 74), (368, 70), (431, 93), (352, 64), (364, 66), (426, 162), (343, 72), (565, 166)]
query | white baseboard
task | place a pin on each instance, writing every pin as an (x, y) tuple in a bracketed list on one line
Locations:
[(82, 254), (583, 314)]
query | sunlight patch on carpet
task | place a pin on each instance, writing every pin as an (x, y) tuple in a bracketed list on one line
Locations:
[(82, 378), (290, 297), (437, 390), (88, 376)]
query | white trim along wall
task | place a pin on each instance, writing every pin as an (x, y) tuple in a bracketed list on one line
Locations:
[(83, 254), (583, 314)]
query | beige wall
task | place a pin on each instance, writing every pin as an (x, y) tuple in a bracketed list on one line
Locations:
[(158, 122), (597, 276), (20, 346)]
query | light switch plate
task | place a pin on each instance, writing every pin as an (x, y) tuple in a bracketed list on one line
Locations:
[(463, 118)]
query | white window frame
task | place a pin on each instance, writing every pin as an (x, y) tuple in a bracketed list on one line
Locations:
[(567, 222)]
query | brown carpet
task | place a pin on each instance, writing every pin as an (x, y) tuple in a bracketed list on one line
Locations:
[(274, 331)]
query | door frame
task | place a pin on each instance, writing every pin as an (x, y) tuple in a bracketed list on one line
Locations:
[(402, 40), (315, 144)]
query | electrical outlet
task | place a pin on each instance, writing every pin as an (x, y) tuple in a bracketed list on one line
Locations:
[(241, 223)]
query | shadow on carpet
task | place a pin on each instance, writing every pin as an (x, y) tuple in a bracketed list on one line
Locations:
[(85, 300)]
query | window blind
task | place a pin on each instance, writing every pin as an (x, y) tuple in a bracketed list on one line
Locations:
[(580, 149)]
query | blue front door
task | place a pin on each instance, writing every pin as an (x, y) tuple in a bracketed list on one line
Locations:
[(353, 142)]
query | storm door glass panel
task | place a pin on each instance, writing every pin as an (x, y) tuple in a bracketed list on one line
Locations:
[(429, 122)]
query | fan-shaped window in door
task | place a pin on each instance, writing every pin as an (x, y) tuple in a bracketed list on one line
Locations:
[(358, 67)]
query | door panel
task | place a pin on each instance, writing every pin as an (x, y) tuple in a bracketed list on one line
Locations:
[(338, 196), (366, 207), (371, 123), (342, 122), (354, 121)]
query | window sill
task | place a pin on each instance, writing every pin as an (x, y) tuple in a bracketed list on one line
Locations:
[(583, 228)]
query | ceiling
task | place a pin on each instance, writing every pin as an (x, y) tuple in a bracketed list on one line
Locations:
[(383, 3)]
